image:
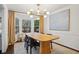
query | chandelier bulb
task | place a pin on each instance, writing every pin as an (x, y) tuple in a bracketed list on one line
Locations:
[(45, 16), (31, 16), (47, 13), (28, 12), (31, 9)]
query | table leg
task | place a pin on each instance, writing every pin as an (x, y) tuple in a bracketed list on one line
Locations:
[(45, 47)]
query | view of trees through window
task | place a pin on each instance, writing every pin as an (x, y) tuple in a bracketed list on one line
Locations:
[(36, 25), (17, 25), (26, 25)]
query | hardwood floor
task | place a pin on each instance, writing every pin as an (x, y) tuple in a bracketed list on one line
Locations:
[(10, 50), (57, 49), (18, 48)]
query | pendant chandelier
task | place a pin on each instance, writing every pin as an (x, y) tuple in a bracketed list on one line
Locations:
[(38, 12)]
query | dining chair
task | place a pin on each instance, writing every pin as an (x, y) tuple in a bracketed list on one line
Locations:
[(30, 42)]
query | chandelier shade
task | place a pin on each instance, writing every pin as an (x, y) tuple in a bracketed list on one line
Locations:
[(37, 12)]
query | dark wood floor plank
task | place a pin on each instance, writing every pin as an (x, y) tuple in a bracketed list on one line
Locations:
[(10, 50)]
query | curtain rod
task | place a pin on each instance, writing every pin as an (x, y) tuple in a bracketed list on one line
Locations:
[(18, 12)]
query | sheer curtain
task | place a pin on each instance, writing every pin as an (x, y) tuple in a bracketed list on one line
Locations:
[(11, 28), (41, 24)]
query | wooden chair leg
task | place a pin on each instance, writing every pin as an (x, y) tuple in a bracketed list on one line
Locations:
[(51, 44)]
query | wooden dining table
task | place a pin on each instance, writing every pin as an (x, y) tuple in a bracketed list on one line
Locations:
[(44, 40)]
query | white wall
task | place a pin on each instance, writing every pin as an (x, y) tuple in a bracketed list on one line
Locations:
[(67, 38), (4, 28)]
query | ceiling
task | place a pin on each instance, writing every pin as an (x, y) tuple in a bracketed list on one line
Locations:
[(26, 7)]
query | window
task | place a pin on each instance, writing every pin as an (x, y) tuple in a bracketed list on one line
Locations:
[(26, 26), (17, 25), (36, 25)]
